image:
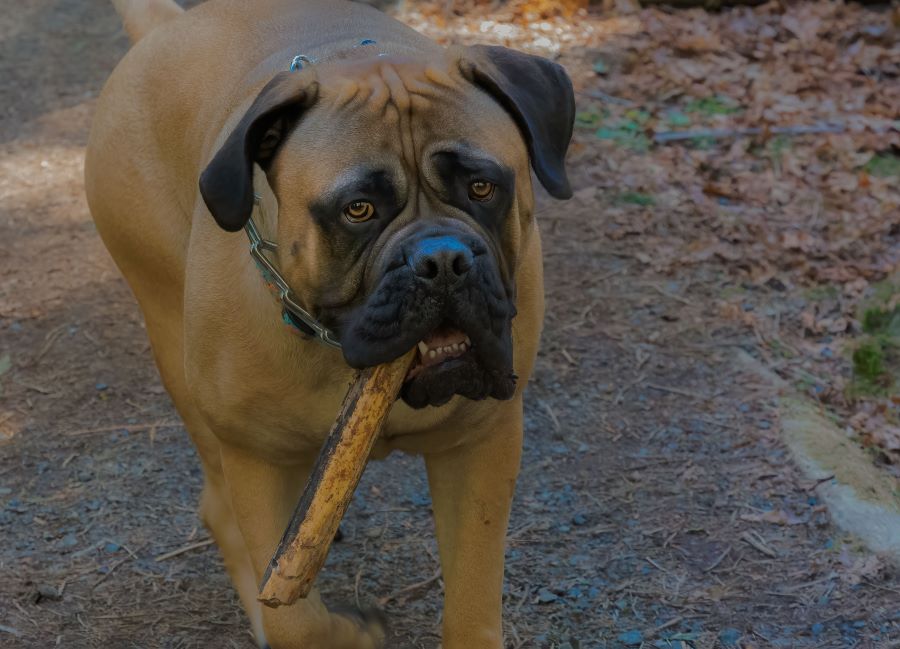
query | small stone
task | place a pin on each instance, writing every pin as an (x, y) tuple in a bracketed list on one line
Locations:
[(69, 540), (100, 387), (730, 637), (764, 424), (817, 629), (546, 596), (631, 638), (45, 591), (112, 547), (579, 519)]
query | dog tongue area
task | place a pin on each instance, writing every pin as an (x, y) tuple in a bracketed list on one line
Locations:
[(441, 344)]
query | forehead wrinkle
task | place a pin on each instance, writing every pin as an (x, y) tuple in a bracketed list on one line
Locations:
[(380, 97), (347, 92), (396, 86), (439, 77)]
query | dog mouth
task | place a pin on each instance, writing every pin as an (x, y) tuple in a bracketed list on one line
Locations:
[(438, 348)]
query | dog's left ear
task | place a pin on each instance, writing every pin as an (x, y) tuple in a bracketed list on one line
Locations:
[(538, 94), (227, 183)]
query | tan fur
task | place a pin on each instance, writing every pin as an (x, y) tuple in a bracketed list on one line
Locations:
[(141, 16), (256, 399)]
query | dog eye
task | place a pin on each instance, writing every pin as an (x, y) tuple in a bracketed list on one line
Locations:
[(481, 190), (359, 211)]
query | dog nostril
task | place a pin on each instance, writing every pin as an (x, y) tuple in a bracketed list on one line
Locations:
[(429, 269), (461, 264)]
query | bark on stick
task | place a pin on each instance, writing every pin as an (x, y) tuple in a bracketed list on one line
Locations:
[(305, 543)]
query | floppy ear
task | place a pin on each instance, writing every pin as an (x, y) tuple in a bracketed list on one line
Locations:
[(227, 183), (538, 94)]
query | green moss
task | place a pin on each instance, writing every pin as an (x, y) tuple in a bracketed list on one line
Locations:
[(883, 165), (868, 361), (822, 293), (709, 106), (636, 198), (881, 322), (625, 135), (588, 119)]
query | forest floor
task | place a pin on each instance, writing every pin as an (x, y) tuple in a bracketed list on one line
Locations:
[(658, 505)]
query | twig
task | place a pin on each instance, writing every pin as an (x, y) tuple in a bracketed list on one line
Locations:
[(717, 560), (49, 339), (672, 296), (757, 543), (187, 548), (10, 630), (723, 133), (410, 588), (36, 388), (655, 565), (109, 572), (683, 393), (131, 428), (662, 627), (820, 482), (622, 392), (556, 425)]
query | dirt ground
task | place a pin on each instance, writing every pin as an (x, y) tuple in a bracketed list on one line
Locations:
[(657, 506)]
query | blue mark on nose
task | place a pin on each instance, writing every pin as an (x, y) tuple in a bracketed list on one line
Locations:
[(437, 245)]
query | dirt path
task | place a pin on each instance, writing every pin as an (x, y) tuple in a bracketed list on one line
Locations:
[(656, 503)]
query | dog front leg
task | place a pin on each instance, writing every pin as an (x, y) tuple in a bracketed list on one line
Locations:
[(471, 489), (263, 496)]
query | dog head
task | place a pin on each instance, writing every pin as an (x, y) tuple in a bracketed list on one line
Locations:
[(404, 198)]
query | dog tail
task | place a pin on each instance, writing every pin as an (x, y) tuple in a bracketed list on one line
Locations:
[(140, 17)]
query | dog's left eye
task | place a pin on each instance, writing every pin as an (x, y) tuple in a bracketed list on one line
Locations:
[(481, 190), (359, 211)]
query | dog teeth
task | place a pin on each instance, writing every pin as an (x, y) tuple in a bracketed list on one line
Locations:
[(454, 349)]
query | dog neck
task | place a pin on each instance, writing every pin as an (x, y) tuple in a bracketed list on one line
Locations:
[(298, 319)]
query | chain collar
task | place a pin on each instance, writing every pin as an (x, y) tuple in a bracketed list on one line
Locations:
[(293, 313)]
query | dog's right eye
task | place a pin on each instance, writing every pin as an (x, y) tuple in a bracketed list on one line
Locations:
[(359, 211)]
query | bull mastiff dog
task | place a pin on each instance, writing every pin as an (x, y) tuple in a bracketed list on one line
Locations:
[(385, 182)]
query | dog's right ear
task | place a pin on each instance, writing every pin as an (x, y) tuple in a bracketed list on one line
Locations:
[(227, 183)]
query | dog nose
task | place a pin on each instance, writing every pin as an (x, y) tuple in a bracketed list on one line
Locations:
[(441, 260)]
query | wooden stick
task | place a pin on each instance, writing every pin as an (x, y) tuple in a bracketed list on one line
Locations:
[(304, 545)]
